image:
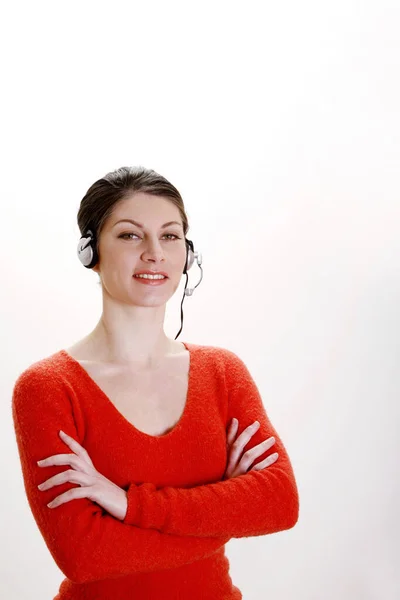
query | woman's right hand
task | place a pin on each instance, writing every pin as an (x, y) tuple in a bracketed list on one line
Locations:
[(238, 464)]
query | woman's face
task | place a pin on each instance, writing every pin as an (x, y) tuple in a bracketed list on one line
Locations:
[(125, 248)]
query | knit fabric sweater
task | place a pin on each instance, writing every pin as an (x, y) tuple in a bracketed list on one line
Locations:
[(181, 512)]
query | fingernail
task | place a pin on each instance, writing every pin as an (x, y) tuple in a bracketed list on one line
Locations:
[(256, 424)]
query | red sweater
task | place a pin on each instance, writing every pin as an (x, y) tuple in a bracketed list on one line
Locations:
[(181, 513)]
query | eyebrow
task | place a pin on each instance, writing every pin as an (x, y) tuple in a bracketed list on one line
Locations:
[(142, 226)]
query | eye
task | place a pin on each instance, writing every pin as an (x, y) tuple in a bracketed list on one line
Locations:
[(123, 235)]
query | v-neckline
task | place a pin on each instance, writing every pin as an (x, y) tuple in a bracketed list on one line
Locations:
[(80, 371)]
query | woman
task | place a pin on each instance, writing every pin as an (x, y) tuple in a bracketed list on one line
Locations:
[(163, 446)]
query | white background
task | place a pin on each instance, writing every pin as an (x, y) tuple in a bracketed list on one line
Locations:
[(279, 124)]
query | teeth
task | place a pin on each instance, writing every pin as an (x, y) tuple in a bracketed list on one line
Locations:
[(146, 276)]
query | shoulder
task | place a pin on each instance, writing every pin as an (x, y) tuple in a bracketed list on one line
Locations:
[(227, 367), (41, 399), (39, 375), (218, 355)]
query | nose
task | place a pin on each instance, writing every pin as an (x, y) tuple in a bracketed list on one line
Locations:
[(154, 252)]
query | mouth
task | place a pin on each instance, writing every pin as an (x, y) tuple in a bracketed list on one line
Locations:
[(147, 281)]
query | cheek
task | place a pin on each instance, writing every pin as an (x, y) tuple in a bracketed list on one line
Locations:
[(175, 287), (126, 261)]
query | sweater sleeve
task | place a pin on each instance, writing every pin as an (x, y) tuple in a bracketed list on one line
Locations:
[(252, 504), (85, 541)]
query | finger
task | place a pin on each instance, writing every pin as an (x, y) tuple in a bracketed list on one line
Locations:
[(247, 433), (266, 463), (70, 475), (239, 444), (75, 446), (73, 494), (232, 431), (60, 459), (242, 440), (258, 450)]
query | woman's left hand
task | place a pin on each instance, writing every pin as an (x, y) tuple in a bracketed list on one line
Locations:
[(94, 485)]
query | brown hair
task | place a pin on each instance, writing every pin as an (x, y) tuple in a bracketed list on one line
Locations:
[(100, 199)]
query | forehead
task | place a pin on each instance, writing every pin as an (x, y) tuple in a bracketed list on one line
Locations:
[(143, 203), (147, 209)]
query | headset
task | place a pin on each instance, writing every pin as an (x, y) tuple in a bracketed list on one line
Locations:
[(89, 257)]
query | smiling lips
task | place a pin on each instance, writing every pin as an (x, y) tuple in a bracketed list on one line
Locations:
[(150, 281), (146, 272)]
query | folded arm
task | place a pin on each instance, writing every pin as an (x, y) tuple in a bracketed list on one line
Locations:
[(252, 504), (86, 544)]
